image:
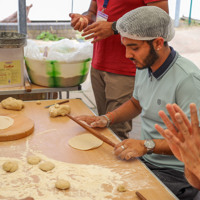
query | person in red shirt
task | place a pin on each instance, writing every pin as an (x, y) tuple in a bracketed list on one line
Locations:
[(112, 74)]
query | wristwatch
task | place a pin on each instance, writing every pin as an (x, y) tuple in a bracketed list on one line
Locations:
[(150, 145), (114, 28)]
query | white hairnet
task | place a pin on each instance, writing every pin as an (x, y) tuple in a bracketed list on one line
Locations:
[(146, 23)]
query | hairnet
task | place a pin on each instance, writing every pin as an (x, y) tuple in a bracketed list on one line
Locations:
[(146, 23)]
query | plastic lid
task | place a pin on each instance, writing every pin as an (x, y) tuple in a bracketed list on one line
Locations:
[(12, 40)]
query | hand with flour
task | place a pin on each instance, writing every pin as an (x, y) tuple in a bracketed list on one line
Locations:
[(93, 121)]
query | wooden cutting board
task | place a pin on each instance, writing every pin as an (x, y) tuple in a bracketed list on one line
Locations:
[(21, 128)]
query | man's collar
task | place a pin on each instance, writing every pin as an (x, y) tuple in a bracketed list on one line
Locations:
[(165, 66)]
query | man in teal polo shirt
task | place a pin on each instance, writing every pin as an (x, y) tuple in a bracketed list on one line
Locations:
[(162, 76)]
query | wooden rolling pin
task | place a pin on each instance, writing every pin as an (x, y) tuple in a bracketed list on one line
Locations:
[(97, 134), (140, 196)]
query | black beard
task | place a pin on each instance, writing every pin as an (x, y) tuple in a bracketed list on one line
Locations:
[(150, 59)]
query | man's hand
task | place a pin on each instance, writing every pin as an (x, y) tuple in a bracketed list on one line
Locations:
[(93, 121), (98, 31), (185, 141), (78, 22), (130, 148), (173, 127)]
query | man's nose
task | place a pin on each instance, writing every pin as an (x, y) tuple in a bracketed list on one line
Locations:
[(129, 54)]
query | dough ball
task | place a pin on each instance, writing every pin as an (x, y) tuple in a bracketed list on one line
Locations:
[(38, 102), (56, 105), (62, 184), (33, 160), (12, 104), (10, 166), (121, 188), (46, 166), (59, 110)]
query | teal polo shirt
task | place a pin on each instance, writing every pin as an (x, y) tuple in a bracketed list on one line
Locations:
[(176, 81)]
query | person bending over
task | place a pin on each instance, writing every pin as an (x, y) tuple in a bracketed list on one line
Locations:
[(163, 76)]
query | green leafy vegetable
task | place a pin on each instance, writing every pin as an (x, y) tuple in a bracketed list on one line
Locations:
[(46, 36)]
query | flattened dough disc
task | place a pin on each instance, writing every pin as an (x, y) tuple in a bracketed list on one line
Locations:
[(22, 127), (85, 142), (5, 122)]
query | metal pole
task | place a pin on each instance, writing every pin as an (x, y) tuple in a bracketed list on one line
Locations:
[(177, 13), (21, 15), (72, 7), (189, 21)]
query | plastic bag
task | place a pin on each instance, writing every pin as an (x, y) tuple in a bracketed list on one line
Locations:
[(63, 50)]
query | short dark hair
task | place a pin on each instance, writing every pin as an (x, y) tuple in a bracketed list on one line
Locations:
[(151, 41)]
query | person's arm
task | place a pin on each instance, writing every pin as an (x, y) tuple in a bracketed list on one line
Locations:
[(103, 29), (193, 179), (125, 112), (135, 148), (91, 13), (79, 22), (161, 4), (185, 148), (13, 18)]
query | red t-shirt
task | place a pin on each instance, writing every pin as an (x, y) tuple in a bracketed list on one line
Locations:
[(109, 53)]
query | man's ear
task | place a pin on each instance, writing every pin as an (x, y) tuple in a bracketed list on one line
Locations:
[(158, 43)]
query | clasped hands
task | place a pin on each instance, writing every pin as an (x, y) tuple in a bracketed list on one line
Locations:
[(97, 31)]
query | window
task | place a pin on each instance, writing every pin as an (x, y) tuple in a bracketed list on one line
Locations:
[(46, 10)]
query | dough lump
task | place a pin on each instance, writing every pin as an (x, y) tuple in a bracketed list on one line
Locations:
[(10, 166), (12, 104), (38, 102), (62, 184), (59, 110), (46, 166), (121, 188), (33, 160)]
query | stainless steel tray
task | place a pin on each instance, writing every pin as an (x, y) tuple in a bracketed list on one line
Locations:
[(12, 40)]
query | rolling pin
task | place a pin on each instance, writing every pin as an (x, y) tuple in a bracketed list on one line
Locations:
[(140, 196), (94, 132)]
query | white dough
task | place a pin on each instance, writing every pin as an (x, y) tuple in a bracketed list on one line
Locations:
[(85, 142), (10, 166), (33, 160), (62, 184), (12, 104), (59, 110), (46, 166), (5, 122), (121, 188)]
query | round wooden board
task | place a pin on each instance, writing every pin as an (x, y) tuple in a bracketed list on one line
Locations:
[(21, 128)]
